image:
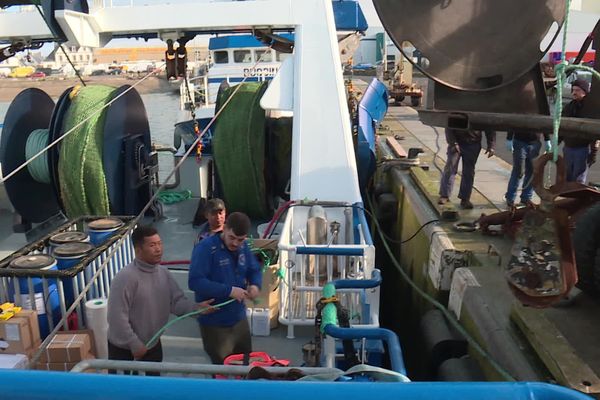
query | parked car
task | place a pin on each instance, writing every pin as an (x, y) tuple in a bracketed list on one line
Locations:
[(363, 67), (37, 74)]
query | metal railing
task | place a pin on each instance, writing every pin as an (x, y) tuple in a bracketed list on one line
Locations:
[(58, 286), (187, 370), (188, 95), (309, 267)]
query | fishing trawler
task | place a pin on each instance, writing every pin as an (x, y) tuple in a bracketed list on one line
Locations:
[(312, 204)]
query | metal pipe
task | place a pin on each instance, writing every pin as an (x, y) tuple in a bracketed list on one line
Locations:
[(208, 369), (76, 293), (389, 337), (320, 289), (327, 250), (48, 310), (375, 281), (363, 224), (4, 290), (584, 128), (159, 148)]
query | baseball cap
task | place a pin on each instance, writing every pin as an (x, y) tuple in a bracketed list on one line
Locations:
[(214, 205)]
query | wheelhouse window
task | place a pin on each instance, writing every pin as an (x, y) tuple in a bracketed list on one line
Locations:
[(264, 55), (221, 57), (242, 56), (282, 56)]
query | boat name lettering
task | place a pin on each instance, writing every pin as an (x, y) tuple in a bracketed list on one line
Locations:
[(265, 71)]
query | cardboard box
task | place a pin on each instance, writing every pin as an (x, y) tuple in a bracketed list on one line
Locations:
[(269, 294), (15, 336), (60, 366), (68, 347), (34, 324), (32, 350), (90, 333), (270, 280), (13, 361), (267, 244)]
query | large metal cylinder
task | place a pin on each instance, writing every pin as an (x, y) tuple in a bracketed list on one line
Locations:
[(316, 233)]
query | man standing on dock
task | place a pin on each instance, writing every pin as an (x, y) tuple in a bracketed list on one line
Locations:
[(579, 154), (525, 147), (465, 144), (223, 267)]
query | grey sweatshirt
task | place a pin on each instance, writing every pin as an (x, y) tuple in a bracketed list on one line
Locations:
[(142, 296)]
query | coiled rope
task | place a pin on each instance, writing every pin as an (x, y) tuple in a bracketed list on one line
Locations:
[(38, 168)]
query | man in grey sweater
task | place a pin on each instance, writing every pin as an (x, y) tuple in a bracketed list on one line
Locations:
[(142, 296)]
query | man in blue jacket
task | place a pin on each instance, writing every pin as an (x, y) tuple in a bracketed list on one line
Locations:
[(223, 267)]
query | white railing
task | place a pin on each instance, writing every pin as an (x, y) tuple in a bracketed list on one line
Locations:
[(310, 266), (193, 91)]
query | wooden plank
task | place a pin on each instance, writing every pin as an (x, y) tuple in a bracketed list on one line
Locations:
[(396, 148), (555, 351)]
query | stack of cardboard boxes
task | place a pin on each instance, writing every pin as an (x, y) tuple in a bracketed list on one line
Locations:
[(67, 349), (20, 334)]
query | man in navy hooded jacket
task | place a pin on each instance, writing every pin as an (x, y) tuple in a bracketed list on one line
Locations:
[(223, 267)]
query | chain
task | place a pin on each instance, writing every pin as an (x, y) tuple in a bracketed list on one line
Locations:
[(193, 112)]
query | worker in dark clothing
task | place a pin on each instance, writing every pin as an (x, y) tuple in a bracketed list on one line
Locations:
[(465, 144), (214, 212), (525, 147), (223, 267), (579, 154)]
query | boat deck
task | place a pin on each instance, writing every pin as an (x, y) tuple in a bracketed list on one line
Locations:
[(182, 342)]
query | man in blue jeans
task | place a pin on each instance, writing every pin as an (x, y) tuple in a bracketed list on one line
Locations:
[(525, 147), (465, 144), (579, 154)]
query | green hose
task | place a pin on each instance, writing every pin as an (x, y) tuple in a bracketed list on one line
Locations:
[(38, 168), (190, 314), (329, 314), (172, 197), (257, 250), (449, 317)]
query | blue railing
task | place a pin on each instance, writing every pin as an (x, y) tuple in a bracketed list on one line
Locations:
[(30, 385), (359, 283)]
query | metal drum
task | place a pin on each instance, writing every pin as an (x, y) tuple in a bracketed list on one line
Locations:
[(102, 229), (67, 256), (44, 302), (67, 237)]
